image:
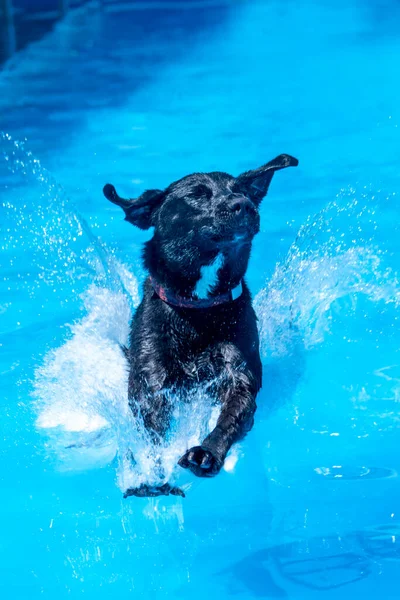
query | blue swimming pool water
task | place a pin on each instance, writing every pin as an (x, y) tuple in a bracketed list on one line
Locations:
[(308, 505)]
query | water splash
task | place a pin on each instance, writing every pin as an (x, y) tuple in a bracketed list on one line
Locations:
[(81, 386), (49, 253), (81, 399), (331, 260), (80, 389)]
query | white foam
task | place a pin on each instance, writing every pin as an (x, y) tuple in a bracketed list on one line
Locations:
[(82, 386)]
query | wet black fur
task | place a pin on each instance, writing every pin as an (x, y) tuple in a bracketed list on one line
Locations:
[(194, 220)]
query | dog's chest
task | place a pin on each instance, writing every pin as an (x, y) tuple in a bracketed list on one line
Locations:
[(194, 346), (208, 277)]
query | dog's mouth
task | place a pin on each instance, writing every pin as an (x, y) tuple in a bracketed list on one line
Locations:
[(238, 237), (234, 240)]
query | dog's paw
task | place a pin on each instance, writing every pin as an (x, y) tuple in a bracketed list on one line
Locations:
[(150, 491), (201, 462)]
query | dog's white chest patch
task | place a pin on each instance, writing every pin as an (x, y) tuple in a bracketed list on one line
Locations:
[(208, 277)]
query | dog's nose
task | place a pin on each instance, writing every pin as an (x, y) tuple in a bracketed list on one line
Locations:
[(241, 206)]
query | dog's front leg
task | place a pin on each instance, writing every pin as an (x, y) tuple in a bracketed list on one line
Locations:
[(235, 420)]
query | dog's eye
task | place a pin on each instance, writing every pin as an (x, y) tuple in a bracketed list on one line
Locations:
[(200, 191)]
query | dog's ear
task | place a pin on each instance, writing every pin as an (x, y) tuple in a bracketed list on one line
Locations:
[(256, 183), (138, 211)]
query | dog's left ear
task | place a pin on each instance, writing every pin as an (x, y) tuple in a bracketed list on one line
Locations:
[(256, 183), (138, 211)]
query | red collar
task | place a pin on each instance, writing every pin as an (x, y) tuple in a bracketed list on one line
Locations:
[(170, 297)]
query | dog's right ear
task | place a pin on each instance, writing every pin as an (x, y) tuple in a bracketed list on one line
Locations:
[(138, 211), (256, 183)]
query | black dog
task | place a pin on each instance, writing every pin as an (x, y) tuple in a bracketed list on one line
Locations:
[(196, 322)]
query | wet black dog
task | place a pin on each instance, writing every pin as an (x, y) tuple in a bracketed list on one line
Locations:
[(196, 322)]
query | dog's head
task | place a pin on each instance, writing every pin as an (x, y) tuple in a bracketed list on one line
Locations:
[(202, 220)]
